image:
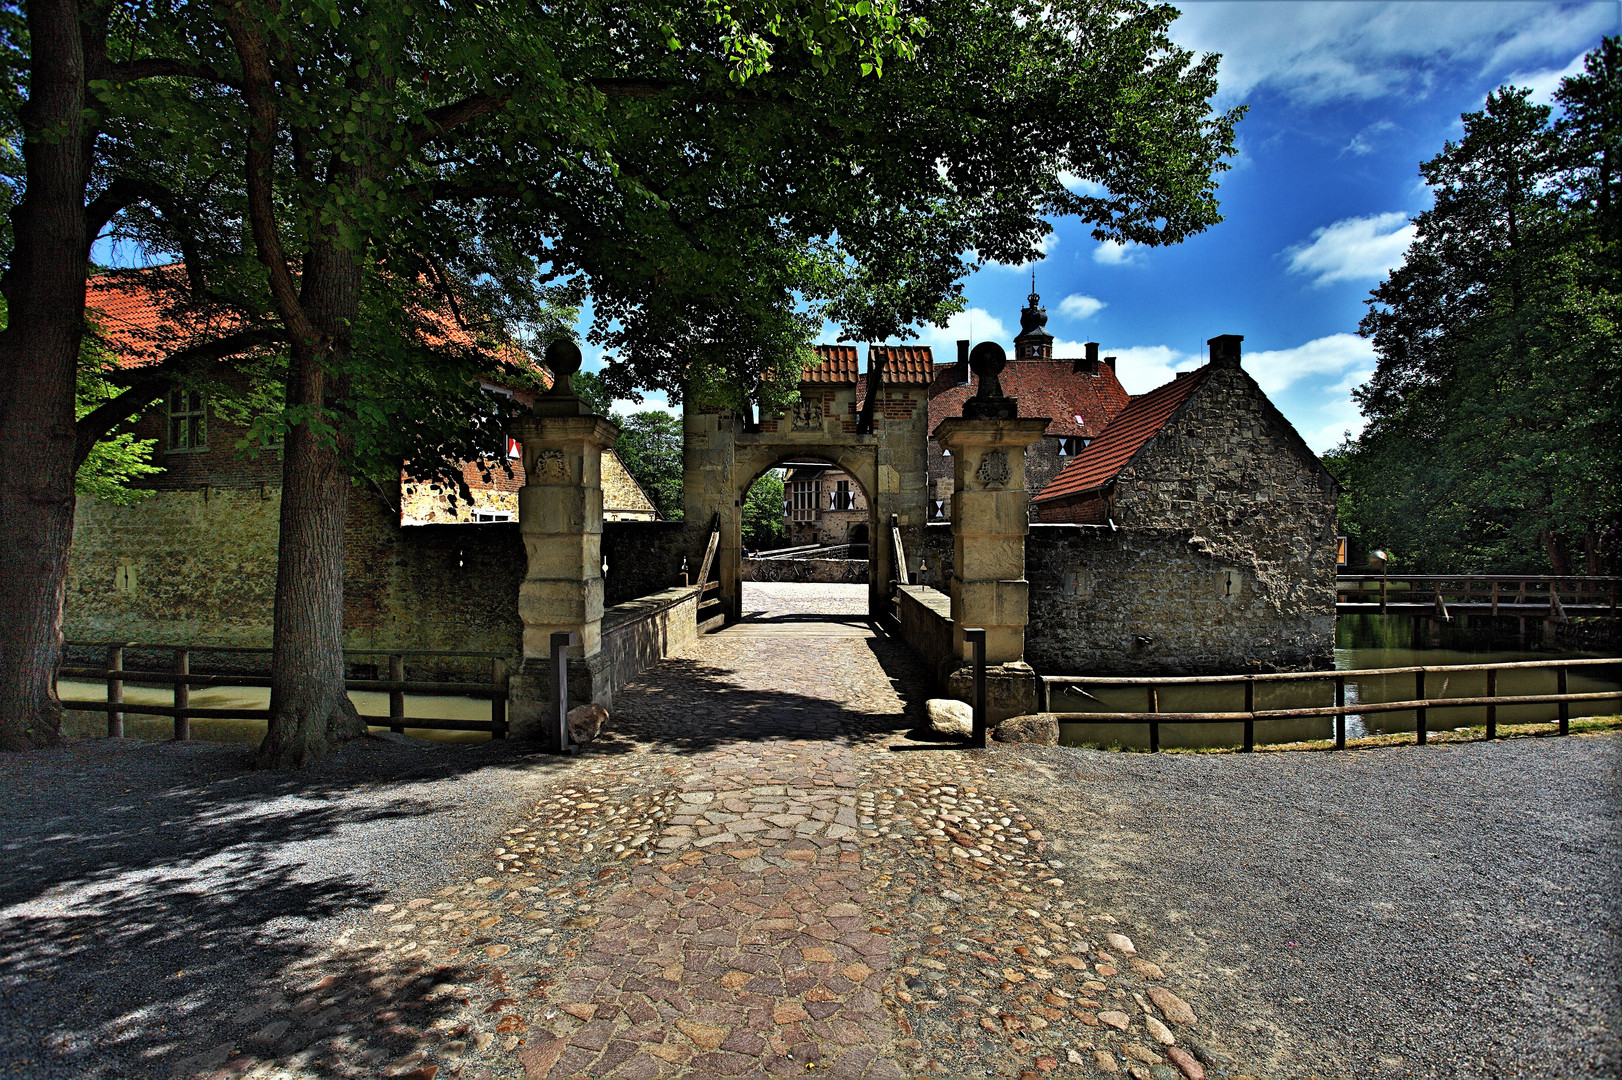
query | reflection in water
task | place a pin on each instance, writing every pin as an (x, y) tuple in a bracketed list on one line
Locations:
[(1363, 642), (369, 702)]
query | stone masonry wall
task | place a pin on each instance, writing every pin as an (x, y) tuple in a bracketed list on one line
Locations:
[(1156, 602), (196, 567), (644, 557)]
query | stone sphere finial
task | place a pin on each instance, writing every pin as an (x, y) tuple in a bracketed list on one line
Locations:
[(988, 403), (988, 361), (563, 359)]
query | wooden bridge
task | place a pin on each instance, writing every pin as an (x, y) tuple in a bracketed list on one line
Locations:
[(1442, 596)]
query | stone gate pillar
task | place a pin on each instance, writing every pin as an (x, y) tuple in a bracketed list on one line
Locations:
[(560, 515), (990, 520)]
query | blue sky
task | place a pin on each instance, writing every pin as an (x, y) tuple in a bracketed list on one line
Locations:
[(1346, 99)]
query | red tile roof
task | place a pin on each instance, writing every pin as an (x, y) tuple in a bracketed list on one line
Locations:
[(1132, 427), (836, 364), (133, 323), (904, 365), (138, 322), (1075, 404)]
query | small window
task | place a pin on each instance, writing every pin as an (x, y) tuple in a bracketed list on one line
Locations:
[(937, 509), (492, 515), (188, 427), (1072, 445)]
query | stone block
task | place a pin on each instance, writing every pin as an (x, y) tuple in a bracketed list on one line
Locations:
[(994, 513), (989, 603), (549, 509), (1041, 729), (1011, 689), (586, 721)]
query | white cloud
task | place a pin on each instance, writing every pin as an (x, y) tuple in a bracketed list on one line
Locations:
[(1140, 368), (1079, 186), (1322, 52), (974, 324), (1077, 306), (1346, 356), (1353, 249), (1545, 83), (1337, 421), (1363, 142), (652, 401), (1111, 253)]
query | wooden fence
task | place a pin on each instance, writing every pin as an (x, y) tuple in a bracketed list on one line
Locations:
[(1492, 594), (1420, 704), (183, 679)]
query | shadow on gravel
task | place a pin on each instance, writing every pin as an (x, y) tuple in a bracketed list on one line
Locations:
[(155, 902)]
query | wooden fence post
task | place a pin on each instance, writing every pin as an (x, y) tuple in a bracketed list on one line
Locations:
[(1565, 706), (1419, 713), (115, 691), (498, 698), (1340, 718), (182, 696), (1250, 719), (1492, 710), (1154, 726), (396, 696)]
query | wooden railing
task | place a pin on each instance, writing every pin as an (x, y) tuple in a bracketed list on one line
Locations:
[(183, 679), (1420, 704), (1494, 594)]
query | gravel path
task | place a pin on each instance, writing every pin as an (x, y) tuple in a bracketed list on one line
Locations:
[(148, 889), (1447, 911)]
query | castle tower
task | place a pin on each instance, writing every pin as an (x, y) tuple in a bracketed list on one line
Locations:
[(1034, 341)]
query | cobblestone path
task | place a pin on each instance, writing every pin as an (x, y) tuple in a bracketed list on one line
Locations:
[(754, 873)]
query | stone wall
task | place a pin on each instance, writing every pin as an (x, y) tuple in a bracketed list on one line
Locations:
[(1161, 602), (644, 631), (644, 557), (200, 569), (925, 616), (836, 571)]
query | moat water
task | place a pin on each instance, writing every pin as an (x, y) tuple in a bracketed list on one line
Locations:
[(1362, 643)]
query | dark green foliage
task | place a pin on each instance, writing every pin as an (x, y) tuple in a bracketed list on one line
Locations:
[(763, 512), (650, 446), (1494, 411)]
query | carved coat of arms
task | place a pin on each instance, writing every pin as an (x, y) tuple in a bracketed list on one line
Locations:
[(807, 415), (993, 470), (548, 466)]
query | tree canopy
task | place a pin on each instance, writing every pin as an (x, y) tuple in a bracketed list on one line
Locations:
[(1493, 413)]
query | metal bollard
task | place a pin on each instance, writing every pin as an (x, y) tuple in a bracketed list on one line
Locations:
[(976, 636), (561, 640)]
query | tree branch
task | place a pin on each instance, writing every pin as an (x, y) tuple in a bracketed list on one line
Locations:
[(258, 90), (153, 379), (159, 67)]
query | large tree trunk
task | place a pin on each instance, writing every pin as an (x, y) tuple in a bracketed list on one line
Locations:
[(39, 351), (309, 710)]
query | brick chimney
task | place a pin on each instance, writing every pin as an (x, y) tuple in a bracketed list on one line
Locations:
[(1089, 365), (1109, 361), (961, 374), (1225, 351)]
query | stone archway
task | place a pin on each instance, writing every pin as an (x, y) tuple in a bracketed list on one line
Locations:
[(879, 440)]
